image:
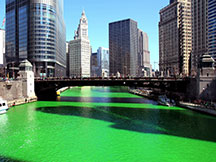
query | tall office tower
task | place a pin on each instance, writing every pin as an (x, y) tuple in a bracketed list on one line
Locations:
[(2, 46), (94, 65), (80, 50), (103, 61), (199, 33), (35, 30), (145, 68), (175, 37), (212, 28), (123, 46)]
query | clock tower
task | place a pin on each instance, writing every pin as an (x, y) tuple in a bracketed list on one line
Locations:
[(82, 31), (80, 50)]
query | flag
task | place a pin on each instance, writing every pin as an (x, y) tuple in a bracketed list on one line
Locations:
[(3, 22)]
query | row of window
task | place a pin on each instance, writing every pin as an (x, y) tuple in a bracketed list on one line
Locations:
[(212, 22), (212, 8), (41, 57), (212, 33), (44, 39), (212, 50), (45, 31), (44, 47), (44, 23), (212, 30), (42, 6), (44, 43), (44, 14), (44, 27), (43, 19), (212, 43), (47, 52), (45, 35)]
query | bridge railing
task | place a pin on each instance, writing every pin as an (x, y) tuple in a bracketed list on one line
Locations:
[(113, 79)]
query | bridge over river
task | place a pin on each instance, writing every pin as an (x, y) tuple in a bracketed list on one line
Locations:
[(50, 86)]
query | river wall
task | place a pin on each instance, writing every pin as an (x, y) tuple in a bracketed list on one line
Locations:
[(202, 88), (12, 91)]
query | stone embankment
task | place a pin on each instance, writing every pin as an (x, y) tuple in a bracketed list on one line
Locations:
[(210, 109), (207, 109), (11, 91)]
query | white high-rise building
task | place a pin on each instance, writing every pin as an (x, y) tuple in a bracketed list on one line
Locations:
[(80, 51), (103, 61), (145, 68), (2, 46)]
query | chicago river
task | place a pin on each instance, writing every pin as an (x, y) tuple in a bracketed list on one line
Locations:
[(105, 124)]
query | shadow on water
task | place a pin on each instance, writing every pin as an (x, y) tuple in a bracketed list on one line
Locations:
[(108, 100), (4, 159), (179, 123)]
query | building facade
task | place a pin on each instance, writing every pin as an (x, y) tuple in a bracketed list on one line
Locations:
[(80, 51), (2, 46), (35, 30), (123, 46), (67, 59), (94, 64), (211, 28), (145, 68), (103, 61), (199, 33), (175, 42), (204, 32)]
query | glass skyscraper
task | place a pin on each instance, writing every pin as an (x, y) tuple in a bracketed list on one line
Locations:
[(2, 46), (100, 63), (103, 61), (35, 30), (212, 28), (123, 46)]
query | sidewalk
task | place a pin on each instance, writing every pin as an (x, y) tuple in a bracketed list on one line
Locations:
[(21, 101), (197, 107)]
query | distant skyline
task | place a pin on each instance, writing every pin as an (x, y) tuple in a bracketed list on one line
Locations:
[(101, 13)]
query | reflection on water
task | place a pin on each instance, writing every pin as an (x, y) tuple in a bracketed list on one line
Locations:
[(105, 124), (3, 121)]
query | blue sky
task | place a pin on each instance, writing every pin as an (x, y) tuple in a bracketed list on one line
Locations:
[(101, 12)]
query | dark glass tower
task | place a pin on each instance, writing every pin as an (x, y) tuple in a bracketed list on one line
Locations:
[(36, 31), (212, 28), (123, 46)]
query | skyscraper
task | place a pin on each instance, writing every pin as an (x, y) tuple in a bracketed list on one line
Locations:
[(145, 68), (35, 30), (212, 28), (175, 37), (2, 46), (123, 46), (103, 61), (100, 63), (80, 50), (94, 65), (204, 31), (199, 33)]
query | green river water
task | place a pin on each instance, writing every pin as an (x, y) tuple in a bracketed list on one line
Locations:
[(105, 124)]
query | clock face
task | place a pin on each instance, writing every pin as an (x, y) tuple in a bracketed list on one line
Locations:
[(83, 21)]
